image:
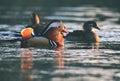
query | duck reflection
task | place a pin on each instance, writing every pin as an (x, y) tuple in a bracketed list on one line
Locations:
[(60, 64), (60, 59), (26, 65)]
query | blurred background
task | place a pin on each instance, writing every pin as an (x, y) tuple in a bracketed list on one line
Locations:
[(20, 10), (74, 63)]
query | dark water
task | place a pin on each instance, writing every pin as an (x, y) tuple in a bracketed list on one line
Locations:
[(71, 64)]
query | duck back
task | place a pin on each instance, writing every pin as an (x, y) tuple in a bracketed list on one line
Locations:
[(77, 35)]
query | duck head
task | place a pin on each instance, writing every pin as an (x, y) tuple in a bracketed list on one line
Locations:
[(89, 25), (55, 31)]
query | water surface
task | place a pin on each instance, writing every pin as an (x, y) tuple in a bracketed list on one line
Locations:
[(74, 63)]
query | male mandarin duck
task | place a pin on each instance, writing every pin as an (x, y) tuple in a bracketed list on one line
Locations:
[(87, 35), (51, 36)]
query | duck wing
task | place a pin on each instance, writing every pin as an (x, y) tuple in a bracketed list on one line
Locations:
[(77, 35)]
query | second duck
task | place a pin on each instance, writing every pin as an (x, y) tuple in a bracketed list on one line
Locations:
[(87, 35)]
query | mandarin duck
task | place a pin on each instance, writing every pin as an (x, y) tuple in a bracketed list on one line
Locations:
[(51, 36)]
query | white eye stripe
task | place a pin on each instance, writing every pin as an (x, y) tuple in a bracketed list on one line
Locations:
[(55, 24), (52, 25)]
